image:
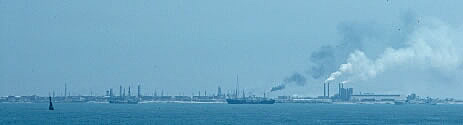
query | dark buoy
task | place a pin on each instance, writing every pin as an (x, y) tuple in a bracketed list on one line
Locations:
[(51, 105)]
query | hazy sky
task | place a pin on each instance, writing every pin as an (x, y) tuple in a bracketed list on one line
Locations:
[(190, 46)]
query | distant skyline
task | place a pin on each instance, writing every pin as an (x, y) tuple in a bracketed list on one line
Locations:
[(190, 46)]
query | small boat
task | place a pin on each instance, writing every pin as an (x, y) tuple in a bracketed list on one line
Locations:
[(51, 105)]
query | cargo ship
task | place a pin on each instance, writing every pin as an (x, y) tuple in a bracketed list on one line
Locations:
[(247, 100)]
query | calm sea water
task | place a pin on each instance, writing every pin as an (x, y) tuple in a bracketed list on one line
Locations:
[(230, 114)]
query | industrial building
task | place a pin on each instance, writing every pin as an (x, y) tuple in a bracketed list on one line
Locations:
[(346, 94), (376, 97)]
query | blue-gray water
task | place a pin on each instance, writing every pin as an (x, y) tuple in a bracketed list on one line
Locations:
[(230, 114)]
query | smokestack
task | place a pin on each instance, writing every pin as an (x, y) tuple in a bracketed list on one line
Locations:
[(155, 92), (219, 91), (129, 92), (328, 90), (139, 92), (111, 92), (339, 90), (120, 91), (65, 89), (324, 89)]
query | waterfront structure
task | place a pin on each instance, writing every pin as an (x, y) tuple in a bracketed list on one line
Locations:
[(376, 97), (343, 96), (250, 101)]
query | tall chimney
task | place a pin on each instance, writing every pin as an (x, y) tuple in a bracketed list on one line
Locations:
[(111, 92), (324, 89), (139, 91), (328, 90), (155, 93), (120, 91), (129, 92), (339, 90), (65, 90), (219, 91)]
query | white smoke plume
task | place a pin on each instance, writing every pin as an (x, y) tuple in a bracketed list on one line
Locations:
[(436, 46), (370, 36)]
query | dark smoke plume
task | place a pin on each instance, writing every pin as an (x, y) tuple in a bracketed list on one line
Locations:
[(279, 87), (296, 78)]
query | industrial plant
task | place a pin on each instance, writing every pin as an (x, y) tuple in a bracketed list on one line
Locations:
[(125, 96)]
